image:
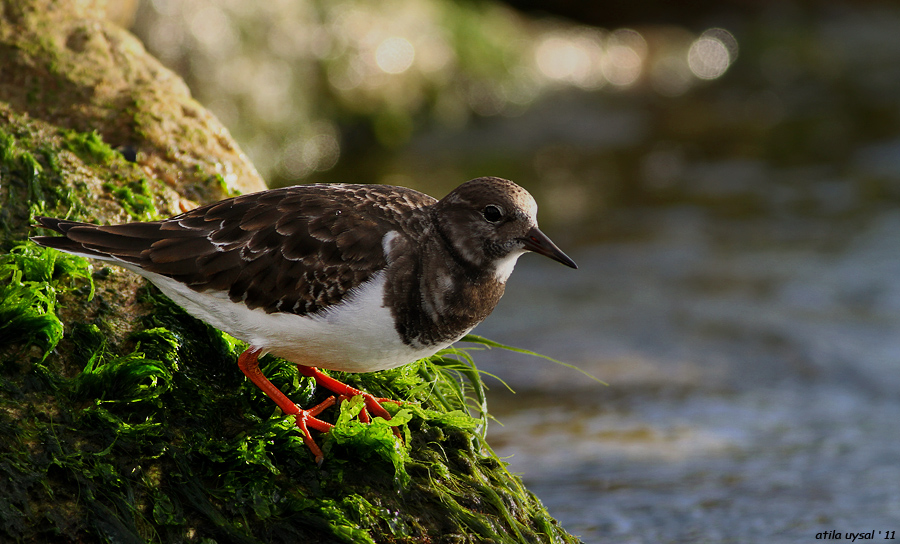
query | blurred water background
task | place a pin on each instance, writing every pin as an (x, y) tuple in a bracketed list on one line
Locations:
[(726, 175)]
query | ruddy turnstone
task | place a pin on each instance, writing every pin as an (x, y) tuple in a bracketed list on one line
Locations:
[(355, 278)]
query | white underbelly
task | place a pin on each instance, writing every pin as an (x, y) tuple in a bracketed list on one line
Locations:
[(357, 335)]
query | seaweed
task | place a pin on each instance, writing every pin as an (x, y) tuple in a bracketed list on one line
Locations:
[(89, 146), (30, 280), (135, 198), (167, 442), (49, 171)]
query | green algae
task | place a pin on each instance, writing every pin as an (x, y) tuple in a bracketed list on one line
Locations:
[(39, 179), (135, 198), (31, 172), (30, 281), (89, 146), (168, 442), (22, 173), (129, 188)]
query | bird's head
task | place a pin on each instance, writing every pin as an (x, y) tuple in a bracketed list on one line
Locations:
[(490, 222)]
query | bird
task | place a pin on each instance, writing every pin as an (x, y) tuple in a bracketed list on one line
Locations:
[(345, 277)]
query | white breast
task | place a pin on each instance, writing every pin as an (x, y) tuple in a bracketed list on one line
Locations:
[(357, 335)]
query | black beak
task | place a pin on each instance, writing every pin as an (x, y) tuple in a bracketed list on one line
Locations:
[(537, 241)]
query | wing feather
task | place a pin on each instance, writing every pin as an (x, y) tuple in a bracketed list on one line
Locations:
[(297, 249)]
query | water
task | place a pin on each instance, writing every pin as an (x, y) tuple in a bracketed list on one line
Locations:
[(739, 290), (752, 387)]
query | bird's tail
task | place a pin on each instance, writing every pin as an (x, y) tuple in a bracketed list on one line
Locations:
[(87, 240)]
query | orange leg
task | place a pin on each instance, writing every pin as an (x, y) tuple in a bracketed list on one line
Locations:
[(249, 365), (373, 404)]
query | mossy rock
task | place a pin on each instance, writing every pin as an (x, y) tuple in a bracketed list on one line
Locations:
[(167, 442), (62, 63), (123, 419)]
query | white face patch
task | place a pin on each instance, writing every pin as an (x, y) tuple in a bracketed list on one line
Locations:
[(504, 266)]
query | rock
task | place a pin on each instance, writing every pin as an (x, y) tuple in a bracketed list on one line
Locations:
[(62, 63), (123, 419)]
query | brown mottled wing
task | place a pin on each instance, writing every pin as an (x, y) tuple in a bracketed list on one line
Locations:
[(297, 249)]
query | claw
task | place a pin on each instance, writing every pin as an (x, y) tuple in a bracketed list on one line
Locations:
[(306, 419), (373, 404)]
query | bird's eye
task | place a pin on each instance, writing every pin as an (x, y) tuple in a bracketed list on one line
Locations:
[(492, 213)]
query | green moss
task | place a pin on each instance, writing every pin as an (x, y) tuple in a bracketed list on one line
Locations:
[(32, 180), (135, 198), (24, 174), (89, 146), (217, 180), (168, 442), (30, 280), (40, 179), (130, 189)]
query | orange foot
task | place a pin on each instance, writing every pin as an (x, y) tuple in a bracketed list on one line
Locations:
[(373, 403), (248, 362)]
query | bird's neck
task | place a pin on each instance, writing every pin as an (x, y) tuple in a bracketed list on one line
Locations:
[(442, 305)]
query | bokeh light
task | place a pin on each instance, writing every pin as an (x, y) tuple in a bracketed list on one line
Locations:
[(712, 53), (624, 58), (395, 55), (273, 72), (572, 59), (303, 156)]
